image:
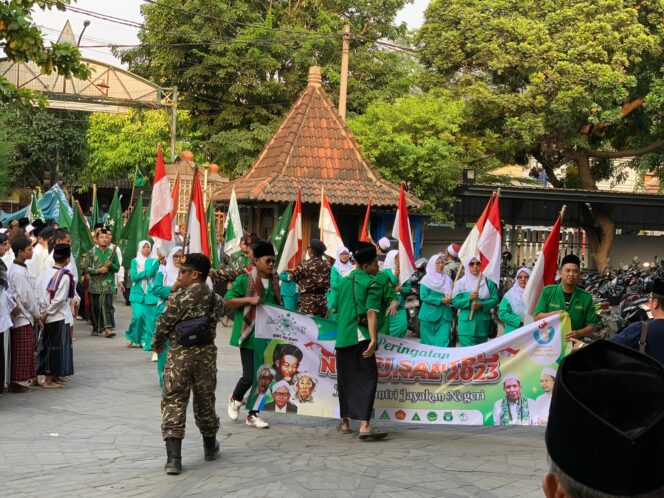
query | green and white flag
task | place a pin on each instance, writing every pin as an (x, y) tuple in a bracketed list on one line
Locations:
[(34, 212), (232, 227), (280, 232)]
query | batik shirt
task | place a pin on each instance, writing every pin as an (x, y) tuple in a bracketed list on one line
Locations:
[(312, 276), (101, 283)]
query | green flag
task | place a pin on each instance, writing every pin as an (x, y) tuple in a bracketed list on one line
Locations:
[(139, 179), (81, 240), (145, 226), (95, 209), (232, 227), (212, 235), (114, 220), (132, 234), (34, 212), (64, 220), (280, 232)]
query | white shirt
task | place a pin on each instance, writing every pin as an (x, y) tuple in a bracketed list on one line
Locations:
[(8, 258), (57, 308), (23, 291), (281, 410), (542, 405), (7, 304), (513, 411), (39, 261)]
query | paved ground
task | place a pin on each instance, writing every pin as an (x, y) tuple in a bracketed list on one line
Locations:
[(100, 437)]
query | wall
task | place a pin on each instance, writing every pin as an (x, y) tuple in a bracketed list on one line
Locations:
[(625, 247)]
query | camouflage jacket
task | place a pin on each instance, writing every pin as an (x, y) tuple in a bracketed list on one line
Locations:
[(192, 302), (312, 276)]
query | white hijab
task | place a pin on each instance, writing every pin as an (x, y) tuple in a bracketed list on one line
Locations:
[(140, 259), (343, 268), (391, 260), (435, 280), (468, 283), (169, 270), (514, 296)]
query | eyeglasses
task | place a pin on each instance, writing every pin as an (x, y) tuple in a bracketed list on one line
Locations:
[(270, 261)]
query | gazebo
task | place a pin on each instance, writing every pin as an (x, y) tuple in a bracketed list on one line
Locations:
[(314, 148)]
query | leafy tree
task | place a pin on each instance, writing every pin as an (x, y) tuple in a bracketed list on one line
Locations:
[(46, 143), (6, 157), (120, 142), (423, 140), (23, 42), (570, 82), (240, 65)]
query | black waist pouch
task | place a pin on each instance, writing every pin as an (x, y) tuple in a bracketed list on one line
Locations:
[(194, 332)]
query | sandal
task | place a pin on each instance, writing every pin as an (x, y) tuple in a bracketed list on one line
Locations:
[(94, 333), (372, 435), (343, 430), (109, 335)]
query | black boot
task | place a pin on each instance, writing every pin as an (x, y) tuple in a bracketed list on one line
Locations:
[(211, 447), (174, 458)]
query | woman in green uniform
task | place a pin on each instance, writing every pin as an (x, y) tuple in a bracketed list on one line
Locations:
[(341, 268), (143, 303), (164, 286), (466, 297), (289, 292), (435, 314), (512, 311), (398, 323)]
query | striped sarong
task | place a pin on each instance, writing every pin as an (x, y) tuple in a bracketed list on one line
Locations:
[(23, 353)]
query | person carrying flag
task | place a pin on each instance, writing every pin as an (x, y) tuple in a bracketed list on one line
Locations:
[(101, 264)]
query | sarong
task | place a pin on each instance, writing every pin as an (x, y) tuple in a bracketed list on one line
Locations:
[(67, 353), (49, 349), (357, 380), (102, 312), (2, 360), (23, 353)]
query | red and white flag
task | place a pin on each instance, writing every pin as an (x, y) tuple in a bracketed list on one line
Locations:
[(469, 247), (175, 198), (364, 234), (329, 232), (489, 243), (291, 254), (401, 232), (197, 226), (544, 271), (161, 228)]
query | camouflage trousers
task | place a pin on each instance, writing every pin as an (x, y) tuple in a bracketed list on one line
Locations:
[(313, 304), (189, 369)]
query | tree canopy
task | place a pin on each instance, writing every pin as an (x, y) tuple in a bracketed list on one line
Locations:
[(23, 42), (426, 141), (567, 81), (241, 65)]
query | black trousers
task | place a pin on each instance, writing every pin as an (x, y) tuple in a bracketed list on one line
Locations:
[(247, 379), (2, 360), (357, 381)]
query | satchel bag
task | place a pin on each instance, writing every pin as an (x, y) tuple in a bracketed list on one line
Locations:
[(195, 331)]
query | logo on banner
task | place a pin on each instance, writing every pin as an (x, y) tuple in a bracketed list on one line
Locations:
[(544, 336), (286, 326), (400, 415), (463, 417), (448, 417), (432, 416), (416, 417), (384, 415)]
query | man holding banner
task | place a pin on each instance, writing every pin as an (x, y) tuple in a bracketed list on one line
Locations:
[(358, 304)]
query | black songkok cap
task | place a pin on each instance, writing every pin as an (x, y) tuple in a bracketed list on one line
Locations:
[(281, 350), (105, 230), (364, 252), (658, 287), (197, 262), (37, 226), (606, 421), (62, 250), (571, 258), (98, 225), (263, 248), (23, 222), (318, 246)]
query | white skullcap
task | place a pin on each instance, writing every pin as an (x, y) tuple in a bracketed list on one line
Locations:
[(29, 229), (453, 250), (4, 230), (384, 243), (550, 371), (177, 229), (280, 384), (511, 376)]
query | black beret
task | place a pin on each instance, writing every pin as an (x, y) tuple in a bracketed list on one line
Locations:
[(364, 252), (197, 262), (263, 248), (62, 250), (606, 421), (281, 350), (571, 259)]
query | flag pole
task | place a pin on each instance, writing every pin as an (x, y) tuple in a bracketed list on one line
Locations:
[(191, 199), (479, 282)]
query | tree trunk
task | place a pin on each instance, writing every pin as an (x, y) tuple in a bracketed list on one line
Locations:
[(601, 242)]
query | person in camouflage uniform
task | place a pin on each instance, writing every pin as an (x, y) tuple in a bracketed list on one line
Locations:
[(101, 264), (189, 367), (313, 280), (243, 258)]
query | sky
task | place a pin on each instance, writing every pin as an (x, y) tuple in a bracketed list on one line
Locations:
[(102, 32)]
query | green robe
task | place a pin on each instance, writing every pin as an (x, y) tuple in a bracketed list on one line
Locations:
[(506, 315), (388, 295), (161, 292), (288, 291), (435, 318), (475, 331), (335, 277), (368, 295), (239, 289), (581, 310), (143, 304), (398, 324)]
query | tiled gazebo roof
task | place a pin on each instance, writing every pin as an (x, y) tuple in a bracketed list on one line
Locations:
[(313, 147)]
